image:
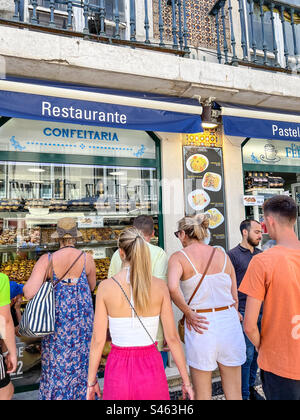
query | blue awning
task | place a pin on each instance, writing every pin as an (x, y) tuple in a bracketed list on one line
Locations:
[(260, 123), (67, 104)]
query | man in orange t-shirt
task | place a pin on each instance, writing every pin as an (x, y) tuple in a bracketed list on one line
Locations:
[(273, 278)]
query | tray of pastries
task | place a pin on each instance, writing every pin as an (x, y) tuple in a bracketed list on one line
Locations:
[(8, 236), (96, 234), (18, 270), (10, 205), (102, 267)]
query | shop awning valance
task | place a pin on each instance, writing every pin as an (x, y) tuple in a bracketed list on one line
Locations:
[(260, 123), (69, 104)]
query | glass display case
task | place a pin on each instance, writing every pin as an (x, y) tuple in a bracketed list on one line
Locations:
[(103, 177), (256, 212), (103, 199)]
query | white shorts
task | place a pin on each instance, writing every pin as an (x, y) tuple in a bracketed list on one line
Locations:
[(223, 342)]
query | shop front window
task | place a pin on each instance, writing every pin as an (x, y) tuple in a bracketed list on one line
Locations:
[(271, 167), (104, 178)]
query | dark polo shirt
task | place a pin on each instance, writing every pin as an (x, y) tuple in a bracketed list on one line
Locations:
[(240, 258)]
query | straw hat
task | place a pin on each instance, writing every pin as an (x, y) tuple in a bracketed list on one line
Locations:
[(66, 228)]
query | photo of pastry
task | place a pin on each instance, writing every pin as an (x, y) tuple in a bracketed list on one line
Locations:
[(198, 199), (216, 218), (212, 182), (197, 163)]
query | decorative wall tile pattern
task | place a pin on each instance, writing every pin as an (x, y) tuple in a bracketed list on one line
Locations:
[(201, 26)]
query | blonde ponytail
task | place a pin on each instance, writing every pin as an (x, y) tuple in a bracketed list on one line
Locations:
[(137, 253)]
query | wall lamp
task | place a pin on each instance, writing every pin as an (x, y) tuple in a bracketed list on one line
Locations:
[(209, 115)]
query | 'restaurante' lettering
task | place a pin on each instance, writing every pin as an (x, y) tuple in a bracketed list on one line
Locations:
[(82, 114)]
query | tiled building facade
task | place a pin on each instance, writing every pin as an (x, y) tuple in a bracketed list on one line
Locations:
[(200, 25)]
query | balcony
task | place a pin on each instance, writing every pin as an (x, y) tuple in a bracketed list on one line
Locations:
[(120, 22), (263, 34)]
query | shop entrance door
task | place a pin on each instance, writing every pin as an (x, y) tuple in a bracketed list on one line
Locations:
[(296, 196)]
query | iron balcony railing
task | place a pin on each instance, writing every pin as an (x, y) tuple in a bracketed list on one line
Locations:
[(109, 20), (262, 33)]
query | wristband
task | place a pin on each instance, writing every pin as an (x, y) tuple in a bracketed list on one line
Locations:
[(92, 385)]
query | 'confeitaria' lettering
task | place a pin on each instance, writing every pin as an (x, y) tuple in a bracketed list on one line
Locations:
[(70, 133)]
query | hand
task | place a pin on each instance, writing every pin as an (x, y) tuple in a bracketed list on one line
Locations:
[(165, 347), (187, 391), (18, 302), (195, 321), (241, 317), (92, 391), (11, 363)]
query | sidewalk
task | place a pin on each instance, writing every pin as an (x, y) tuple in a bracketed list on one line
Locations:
[(174, 381)]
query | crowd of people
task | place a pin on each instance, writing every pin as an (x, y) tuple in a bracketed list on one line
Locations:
[(241, 310)]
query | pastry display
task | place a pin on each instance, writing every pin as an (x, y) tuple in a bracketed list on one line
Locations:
[(58, 205), (30, 237), (10, 205), (46, 235), (96, 234), (8, 237), (117, 232), (102, 267), (18, 270), (36, 204)]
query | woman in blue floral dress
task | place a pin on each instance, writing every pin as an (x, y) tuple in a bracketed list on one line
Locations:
[(65, 354)]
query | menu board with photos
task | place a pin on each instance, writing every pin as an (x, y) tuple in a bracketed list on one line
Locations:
[(204, 189)]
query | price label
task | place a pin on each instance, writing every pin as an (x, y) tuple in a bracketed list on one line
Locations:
[(91, 222), (254, 200)]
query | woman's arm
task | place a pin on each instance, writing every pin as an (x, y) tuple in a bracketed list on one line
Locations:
[(234, 290), (175, 273), (98, 342), (36, 279), (173, 340), (91, 271), (7, 331)]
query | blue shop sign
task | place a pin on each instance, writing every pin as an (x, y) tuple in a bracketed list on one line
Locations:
[(74, 111), (260, 128)]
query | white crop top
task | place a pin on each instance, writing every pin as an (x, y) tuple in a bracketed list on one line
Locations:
[(214, 292), (129, 332)]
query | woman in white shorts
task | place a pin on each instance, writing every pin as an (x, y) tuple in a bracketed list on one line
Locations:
[(213, 332)]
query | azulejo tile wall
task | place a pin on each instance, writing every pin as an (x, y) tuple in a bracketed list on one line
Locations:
[(201, 26)]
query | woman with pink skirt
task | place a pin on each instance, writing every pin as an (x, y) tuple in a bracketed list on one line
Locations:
[(131, 304)]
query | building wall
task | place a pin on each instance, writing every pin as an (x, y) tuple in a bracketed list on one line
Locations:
[(234, 187), (201, 26)]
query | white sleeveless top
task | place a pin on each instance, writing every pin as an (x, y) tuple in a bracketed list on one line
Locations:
[(129, 332), (214, 292)]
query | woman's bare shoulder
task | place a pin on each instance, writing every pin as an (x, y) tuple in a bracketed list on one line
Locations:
[(43, 260), (106, 286), (176, 257)]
